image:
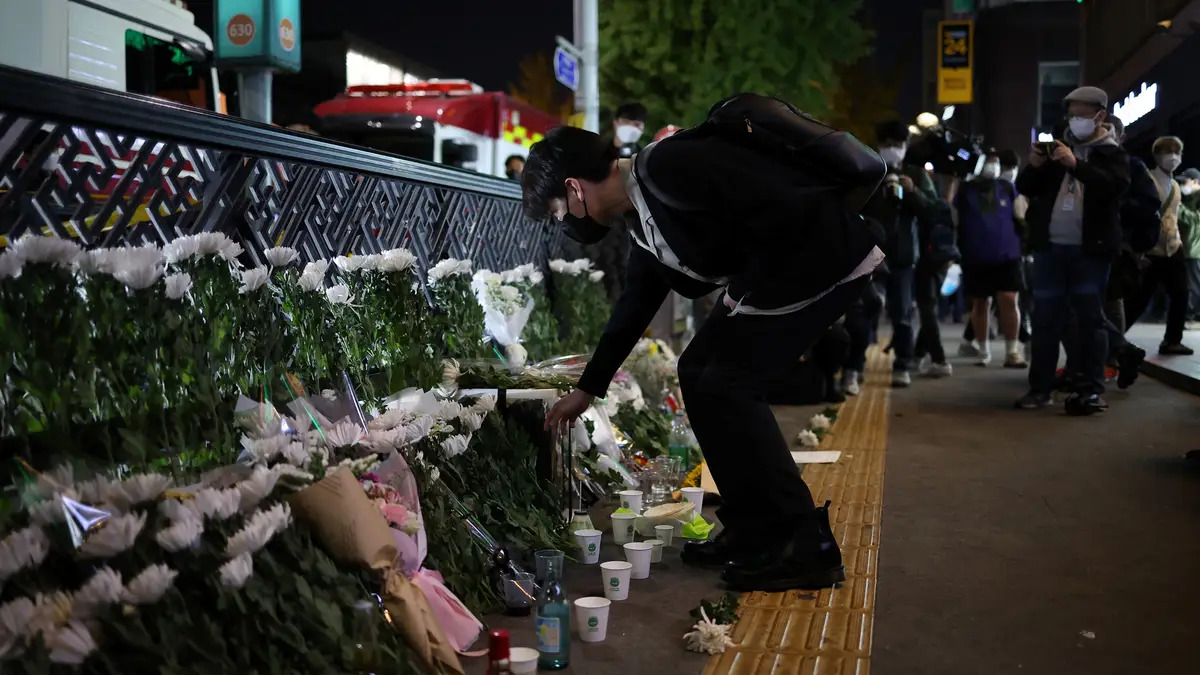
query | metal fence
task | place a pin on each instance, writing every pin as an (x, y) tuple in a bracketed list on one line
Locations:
[(110, 168)]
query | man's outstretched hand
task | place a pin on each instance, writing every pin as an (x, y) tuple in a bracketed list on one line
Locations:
[(565, 411)]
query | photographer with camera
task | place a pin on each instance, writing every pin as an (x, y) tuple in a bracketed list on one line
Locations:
[(896, 210), (1074, 188)]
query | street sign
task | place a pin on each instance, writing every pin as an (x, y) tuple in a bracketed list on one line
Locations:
[(956, 56), (258, 34), (566, 69)]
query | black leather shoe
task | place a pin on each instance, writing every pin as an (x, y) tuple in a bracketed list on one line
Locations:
[(810, 560), (714, 554)]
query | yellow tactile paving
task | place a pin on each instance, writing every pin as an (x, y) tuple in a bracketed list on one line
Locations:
[(828, 632)]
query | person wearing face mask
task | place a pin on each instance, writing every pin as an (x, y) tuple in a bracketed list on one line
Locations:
[(1010, 164), (628, 125), (990, 241), (1189, 230), (1074, 190), (1167, 266), (706, 210), (897, 209)]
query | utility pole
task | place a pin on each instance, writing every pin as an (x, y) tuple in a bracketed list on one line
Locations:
[(587, 40)]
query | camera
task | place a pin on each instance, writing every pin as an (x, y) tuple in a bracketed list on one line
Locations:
[(950, 152), (892, 188)]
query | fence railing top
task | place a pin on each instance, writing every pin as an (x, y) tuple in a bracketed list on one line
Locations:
[(41, 96)]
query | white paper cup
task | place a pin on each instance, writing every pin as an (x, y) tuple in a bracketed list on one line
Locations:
[(591, 616), (523, 659), (588, 542), (664, 533), (622, 524), (631, 499), (615, 575), (638, 554), (694, 495), (656, 550)]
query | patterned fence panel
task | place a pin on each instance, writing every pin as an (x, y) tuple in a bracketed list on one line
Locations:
[(111, 169)]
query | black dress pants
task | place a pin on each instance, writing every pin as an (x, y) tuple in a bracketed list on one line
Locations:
[(1170, 274), (724, 375), (927, 289)]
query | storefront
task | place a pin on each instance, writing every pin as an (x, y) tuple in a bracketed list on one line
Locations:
[(1164, 102)]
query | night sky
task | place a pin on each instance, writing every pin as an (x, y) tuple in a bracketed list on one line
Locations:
[(484, 40)]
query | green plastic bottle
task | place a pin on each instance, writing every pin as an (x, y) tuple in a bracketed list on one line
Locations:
[(553, 623)]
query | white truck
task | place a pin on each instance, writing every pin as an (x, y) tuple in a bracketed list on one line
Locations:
[(149, 47)]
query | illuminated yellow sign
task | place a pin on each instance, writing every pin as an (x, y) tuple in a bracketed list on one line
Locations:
[(956, 55)]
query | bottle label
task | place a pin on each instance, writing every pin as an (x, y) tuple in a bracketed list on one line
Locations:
[(548, 634)]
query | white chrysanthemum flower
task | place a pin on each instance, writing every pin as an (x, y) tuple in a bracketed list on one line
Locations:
[(390, 420), (16, 620), (313, 277), (176, 510), (448, 268), (256, 488), (54, 481), (71, 644), (21, 549), (259, 529), (558, 265), (455, 445), (317, 268), (296, 454), (117, 535), (290, 476), (597, 275), (181, 535), (819, 422), (149, 585), (217, 504), (281, 256), (137, 489), (808, 439), (178, 285), (339, 294), (471, 420), (10, 265), (536, 278), (434, 474), (230, 252), (343, 435), (263, 450), (95, 490), (211, 243), (515, 354), (396, 260), (235, 572), (581, 265), (384, 440), (448, 410), (181, 249), (49, 612), (450, 370), (109, 260), (253, 279), (139, 277), (484, 404), (357, 263), (46, 250), (357, 466), (100, 591), (419, 428), (48, 511)]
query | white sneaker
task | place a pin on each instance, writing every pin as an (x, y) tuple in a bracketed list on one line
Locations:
[(850, 383), (901, 379), (939, 370), (968, 348), (985, 355)]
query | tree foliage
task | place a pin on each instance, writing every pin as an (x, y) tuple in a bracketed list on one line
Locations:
[(866, 95), (678, 57), (538, 88)]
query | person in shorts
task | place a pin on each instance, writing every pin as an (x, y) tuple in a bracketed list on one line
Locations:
[(990, 242)]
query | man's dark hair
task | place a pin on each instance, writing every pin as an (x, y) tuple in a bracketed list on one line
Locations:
[(892, 131), (1008, 159), (508, 160), (631, 111), (565, 152)]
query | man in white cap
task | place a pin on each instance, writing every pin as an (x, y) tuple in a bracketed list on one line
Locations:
[(1074, 188)]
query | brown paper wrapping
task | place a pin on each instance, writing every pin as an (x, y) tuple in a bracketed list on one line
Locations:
[(347, 524), (411, 614)]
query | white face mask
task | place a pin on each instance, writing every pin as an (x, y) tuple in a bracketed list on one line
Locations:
[(1082, 127), (990, 171), (1187, 189), (1010, 175), (627, 133), (892, 155), (1169, 162)]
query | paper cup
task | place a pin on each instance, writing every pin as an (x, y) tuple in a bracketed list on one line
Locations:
[(638, 554), (615, 575), (591, 615), (523, 660), (622, 524), (664, 533), (588, 542), (631, 499), (694, 495), (655, 550)]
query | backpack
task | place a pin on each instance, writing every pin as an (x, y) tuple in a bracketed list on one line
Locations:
[(1141, 216)]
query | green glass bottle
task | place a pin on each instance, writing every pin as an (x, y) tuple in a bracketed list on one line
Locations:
[(553, 622)]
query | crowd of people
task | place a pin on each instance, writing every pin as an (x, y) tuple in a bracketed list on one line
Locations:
[(1066, 252)]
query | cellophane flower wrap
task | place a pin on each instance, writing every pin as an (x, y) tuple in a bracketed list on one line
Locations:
[(506, 310)]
